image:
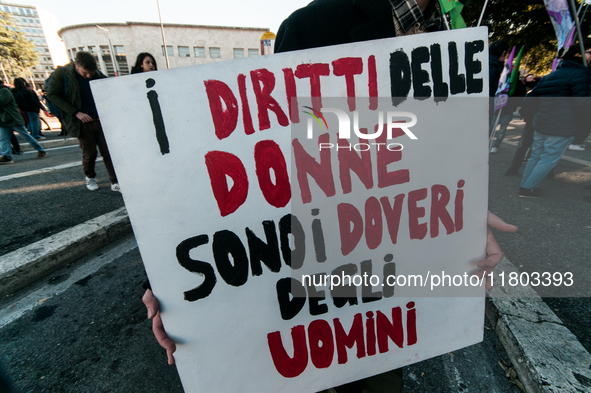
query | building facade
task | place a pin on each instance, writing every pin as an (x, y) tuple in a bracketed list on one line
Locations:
[(185, 44), (40, 27)]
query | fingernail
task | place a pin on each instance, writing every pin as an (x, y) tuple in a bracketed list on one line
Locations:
[(149, 313)]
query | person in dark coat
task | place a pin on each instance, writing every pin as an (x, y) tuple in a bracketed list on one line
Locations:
[(69, 89), (29, 103), (333, 22), (11, 120), (497, 52), (561, 105)]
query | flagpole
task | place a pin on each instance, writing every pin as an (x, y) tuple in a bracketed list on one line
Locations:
[(494, 130), (584, 14), (572, 30), (573, 11), (580, 8), (445, 21), (163, 38), (482, 13)]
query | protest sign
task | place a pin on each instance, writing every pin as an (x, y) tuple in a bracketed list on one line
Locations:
[(248, 182)]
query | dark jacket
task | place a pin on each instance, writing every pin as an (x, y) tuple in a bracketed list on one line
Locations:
[(333, 22), (64, 91), (9, 113), (26, 100), (561, 101)]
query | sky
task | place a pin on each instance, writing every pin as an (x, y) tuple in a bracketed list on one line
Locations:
[(245, 13)]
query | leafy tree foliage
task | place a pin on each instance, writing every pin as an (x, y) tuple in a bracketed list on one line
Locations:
[(522, 23), (17, 53)]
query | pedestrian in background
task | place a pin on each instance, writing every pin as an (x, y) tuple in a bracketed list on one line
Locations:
[(69, 89), (497, 52), (527, 136), (561, 105), (29, 103), (144, 62), (12, 120), (513, 103)]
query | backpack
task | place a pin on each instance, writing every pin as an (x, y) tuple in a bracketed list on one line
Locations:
[(51, 107)]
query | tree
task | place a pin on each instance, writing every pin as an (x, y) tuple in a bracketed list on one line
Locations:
[(521, 23), (17, 53)]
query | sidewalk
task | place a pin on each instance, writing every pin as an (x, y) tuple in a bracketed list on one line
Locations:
[(545, 354)]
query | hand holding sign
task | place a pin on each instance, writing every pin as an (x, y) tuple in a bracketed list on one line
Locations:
[(494, 254), (153, 308)]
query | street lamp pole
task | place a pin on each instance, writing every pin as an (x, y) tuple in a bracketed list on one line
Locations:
[(163, 39), (113, 56)]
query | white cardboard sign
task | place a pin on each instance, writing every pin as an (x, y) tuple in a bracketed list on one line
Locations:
[(233, 206)]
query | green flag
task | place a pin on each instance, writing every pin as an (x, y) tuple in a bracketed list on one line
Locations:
[(515, 73), (457, 22), (454, 7), (448, 5)]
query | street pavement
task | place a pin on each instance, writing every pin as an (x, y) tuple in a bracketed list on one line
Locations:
[(554, 233), (38, 205), (92, 335)]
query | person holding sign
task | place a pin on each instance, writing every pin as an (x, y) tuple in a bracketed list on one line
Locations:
[(333, 22), (69, 89)]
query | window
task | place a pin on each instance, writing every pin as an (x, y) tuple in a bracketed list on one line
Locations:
[(29, 12), (31, 20), (199, 51), (107, 60), (253, 52), (169, 50), (184, 51), (93, 52), (27, 30), (81, 48), (121, 58), (238, 53), (215, 53)]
